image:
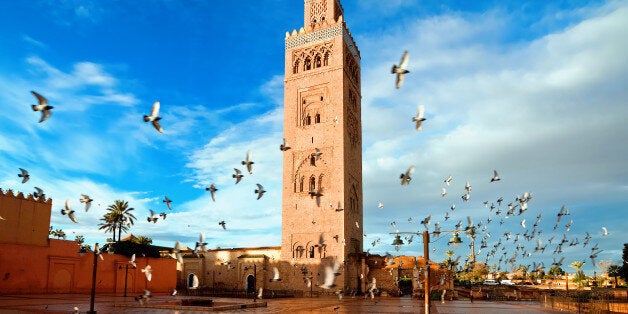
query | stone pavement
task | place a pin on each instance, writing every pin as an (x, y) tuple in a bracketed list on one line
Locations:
[(107, 303)]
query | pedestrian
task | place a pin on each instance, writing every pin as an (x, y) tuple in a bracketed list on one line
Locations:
[(471, 295)]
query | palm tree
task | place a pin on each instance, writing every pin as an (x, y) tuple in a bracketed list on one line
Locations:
[(580, 277), (614, 271), (118, 217)]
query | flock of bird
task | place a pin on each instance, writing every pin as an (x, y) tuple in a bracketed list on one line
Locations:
[(501, 212)]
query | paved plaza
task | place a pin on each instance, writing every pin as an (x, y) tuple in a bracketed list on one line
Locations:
[(65, 303)]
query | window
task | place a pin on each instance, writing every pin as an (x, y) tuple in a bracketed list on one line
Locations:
[(301, 184), (320, 181), (317, 118), (308, 64), (317, 61), (298, 252), (326, 59), (295, 68), (308, 120), (312, 184), (312, 161), (311, 252)]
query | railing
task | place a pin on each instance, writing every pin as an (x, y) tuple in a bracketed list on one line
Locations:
[(585, 301), (238, 293)]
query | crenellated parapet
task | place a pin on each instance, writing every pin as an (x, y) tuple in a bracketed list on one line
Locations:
[(28, 197)]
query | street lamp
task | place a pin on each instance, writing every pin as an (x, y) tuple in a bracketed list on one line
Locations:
[(126, 274), (455, 241), (97, 254)]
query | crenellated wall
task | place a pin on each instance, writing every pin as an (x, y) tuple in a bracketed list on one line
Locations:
[(26, 219)]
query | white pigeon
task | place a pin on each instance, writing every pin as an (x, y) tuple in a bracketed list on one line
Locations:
[(448, 180), (212, 190), (401, 70), (154, 117), (86, 200), (174, 292), (132, 261), (248, 162), (275, 275), (443, 192), (68, 211), (604, 231), (380, 205), (406, 177), (148, 271), (466, 197), (177, 252), (42, 106), (523, 223), (419, 117), (495, 176), (357, 225), (467, 187), (330, 275), (260, 293)]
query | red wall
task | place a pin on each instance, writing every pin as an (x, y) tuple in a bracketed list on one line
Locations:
[(58, 268)]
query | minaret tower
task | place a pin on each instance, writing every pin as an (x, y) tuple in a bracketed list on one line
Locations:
[(322, 170)]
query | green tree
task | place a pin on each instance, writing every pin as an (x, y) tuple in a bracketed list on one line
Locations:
[(580, 278), (614, 271), (555, 271), (119, 217), (143, 240)]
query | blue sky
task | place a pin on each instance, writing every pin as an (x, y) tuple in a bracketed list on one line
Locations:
[(535, 90)]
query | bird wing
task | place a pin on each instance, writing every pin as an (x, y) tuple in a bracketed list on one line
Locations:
[(202, 237), (41, 99), (72, 217), (410, 171), (404, 60), (399, 80), (420, 112), (248, 156), (276, 273), (67, 205), (154, 112), (329, 278), (157, 126)]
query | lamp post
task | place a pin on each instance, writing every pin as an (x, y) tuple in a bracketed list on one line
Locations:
[(426, 252), (254, 282), (97, 254), (126, 276)]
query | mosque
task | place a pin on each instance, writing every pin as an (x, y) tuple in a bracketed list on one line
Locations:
[(322, 207)]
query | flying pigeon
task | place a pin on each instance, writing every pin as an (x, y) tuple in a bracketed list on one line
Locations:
[(68, 211), (467, 187), (148, 271), (162, 215), (173, 292), (284, 146), (380, 205), (495, 176), (330, 275), (339, 208), (24, 175), (177, 251), (199, 245), (446, 215), (275, 275), (443, 192), (39, 194), (223, 224), (259, 191), (42, 106), (401, 70), (168, 202), (153, 217), (523, 223), (132, 261), (212, 189), (154, 117), (260, 293), (453, 207), (466, 197), (448, 180), (87, 200), (405, 177), (317, 154), (419, 117), (604, 231), (238, 175), (248, 162), (144, 298)]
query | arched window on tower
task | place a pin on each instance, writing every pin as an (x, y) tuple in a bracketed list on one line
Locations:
[(317, 61), (312, 161), (308, 120), (295, 68), (311, 255), (298, 252), (326, 59), (307, 65), (320, 181), (317, 118), (312, 184), (301, 184)]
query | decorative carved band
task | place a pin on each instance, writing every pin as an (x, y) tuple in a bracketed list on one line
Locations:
[(323, 35)]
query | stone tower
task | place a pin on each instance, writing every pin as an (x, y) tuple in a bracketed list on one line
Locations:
[(322, 170)]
